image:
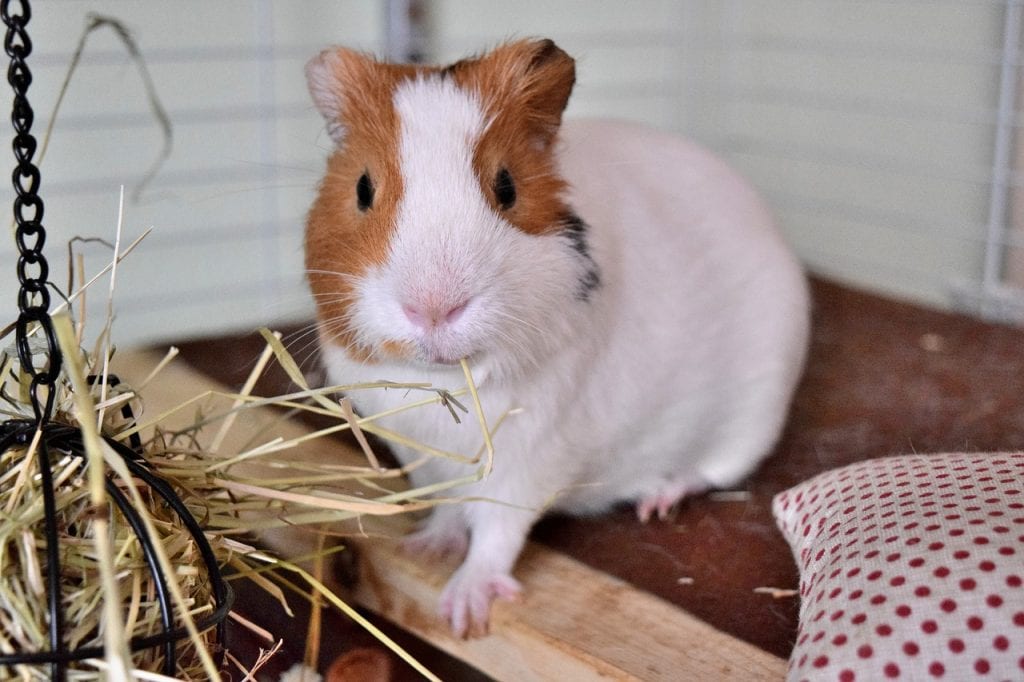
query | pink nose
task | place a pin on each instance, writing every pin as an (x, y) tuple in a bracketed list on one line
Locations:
[(430, 317)]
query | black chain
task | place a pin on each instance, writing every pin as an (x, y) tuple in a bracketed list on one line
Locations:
[(33, 271)]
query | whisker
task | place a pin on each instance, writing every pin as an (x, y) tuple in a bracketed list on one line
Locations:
[(518, 320), (332, 273)]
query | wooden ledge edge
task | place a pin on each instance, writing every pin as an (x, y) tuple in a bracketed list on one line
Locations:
[(574, 623)]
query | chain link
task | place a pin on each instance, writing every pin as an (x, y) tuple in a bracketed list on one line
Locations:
[(33, 270)]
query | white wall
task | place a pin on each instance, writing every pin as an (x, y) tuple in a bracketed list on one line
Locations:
[(228, 205), (868, 125)]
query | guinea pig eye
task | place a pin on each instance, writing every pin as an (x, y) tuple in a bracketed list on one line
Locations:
[(504, 189), (364, 192)]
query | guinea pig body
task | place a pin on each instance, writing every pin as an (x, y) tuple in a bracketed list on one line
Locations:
[(619, 289)]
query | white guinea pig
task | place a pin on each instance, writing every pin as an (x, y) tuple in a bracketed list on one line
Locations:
[(620, 285)]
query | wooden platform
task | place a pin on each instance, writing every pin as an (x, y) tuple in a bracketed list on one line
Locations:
[(882, 378)]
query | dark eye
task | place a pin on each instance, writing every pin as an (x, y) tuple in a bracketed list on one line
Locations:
[(364, 192), (504, 189)]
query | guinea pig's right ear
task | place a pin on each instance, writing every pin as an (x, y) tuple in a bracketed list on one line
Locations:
[(329, 76)]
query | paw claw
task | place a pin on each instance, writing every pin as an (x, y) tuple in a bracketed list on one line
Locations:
[(466, 600), (667, 496), (643, 510)]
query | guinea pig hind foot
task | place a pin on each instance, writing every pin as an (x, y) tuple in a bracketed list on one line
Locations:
[(667, 493)]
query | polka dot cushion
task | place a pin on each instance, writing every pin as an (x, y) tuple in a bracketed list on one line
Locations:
[(910, 568)]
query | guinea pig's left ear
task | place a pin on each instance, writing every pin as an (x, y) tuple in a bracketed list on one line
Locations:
[(528, 79), (548, 81)]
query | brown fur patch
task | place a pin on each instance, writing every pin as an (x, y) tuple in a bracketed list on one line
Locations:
[(341, 240), (539, 189)]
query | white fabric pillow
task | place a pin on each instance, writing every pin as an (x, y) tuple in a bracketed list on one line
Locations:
[(911, 567)]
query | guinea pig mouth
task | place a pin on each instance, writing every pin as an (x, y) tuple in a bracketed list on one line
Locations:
[(441, 347), (438, 353), (443, 354), (443, 360)]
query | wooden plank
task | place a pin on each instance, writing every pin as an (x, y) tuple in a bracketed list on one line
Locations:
[(574, 623)]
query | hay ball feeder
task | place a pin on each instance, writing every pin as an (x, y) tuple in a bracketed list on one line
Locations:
[(102, 565)]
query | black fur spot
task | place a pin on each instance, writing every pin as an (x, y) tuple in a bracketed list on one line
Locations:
[(575, 231)]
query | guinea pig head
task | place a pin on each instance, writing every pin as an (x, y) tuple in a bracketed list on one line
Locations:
[(440, 230)]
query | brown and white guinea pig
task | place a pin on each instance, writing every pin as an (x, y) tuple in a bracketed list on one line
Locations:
[(622, 286)]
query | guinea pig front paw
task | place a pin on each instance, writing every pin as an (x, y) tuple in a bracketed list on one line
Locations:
[(436, 542), (466, 599), (444, 533), (667, 494)]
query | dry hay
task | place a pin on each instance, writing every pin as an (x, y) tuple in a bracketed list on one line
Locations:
[(107, 587)]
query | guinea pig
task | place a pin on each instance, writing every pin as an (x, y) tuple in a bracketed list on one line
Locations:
[(620, 286)]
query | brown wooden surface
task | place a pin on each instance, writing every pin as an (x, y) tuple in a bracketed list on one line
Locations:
[(883, 378)]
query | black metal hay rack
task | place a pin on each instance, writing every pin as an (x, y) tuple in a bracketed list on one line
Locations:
[(59, 439)]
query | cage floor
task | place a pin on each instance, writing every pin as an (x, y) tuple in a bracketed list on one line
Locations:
[(882, 378)]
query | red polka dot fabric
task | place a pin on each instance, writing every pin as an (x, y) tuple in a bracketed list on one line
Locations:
[(911, 568)]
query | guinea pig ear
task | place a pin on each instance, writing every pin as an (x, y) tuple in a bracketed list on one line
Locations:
[(329, 76), (537, 77), (551, 75)]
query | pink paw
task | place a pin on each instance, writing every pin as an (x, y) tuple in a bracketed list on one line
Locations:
[(667, 496), (466, 599)]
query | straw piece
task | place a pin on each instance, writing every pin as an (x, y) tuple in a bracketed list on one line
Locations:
[(316, 608), (264, 656), (488, 445), (252, 627), (320, 588), (114, 637), (777, 592), (105, 334), (62, 306), (247, 387), (323, 500), (172, 353), (353, 421), (290, 367)]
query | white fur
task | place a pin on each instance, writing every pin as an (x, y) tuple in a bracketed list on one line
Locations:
[(675, 374)]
